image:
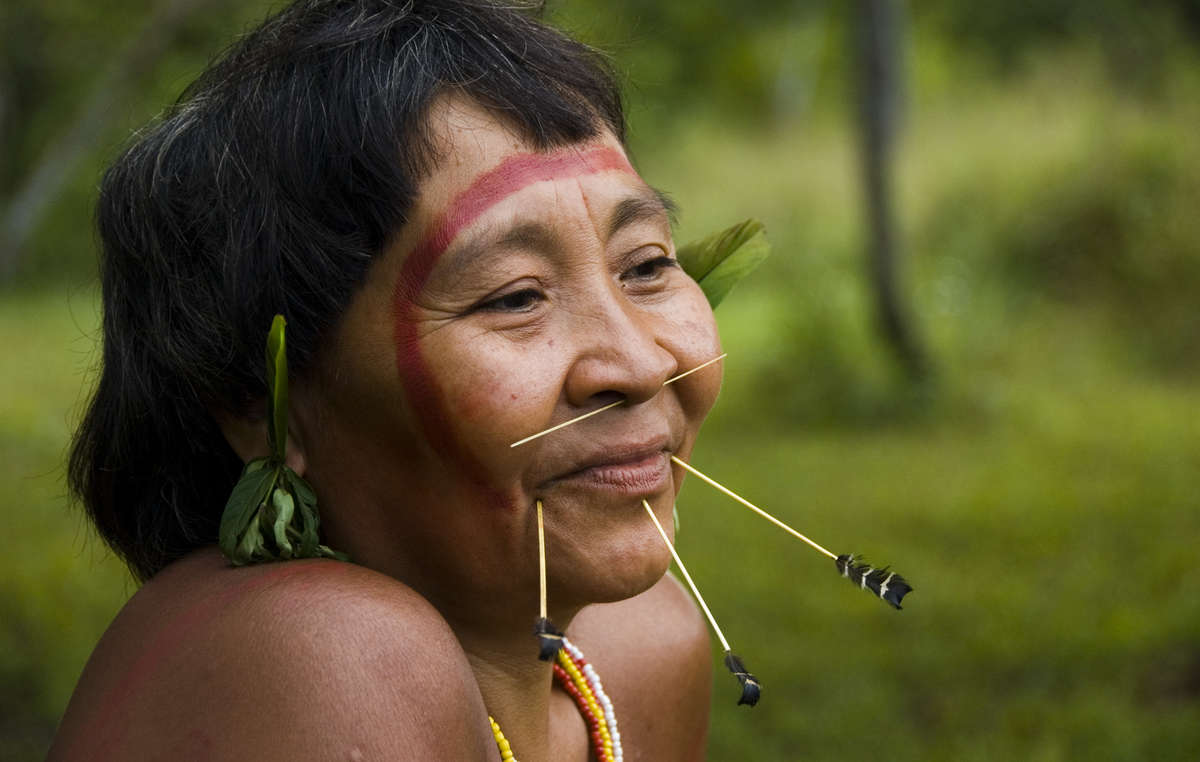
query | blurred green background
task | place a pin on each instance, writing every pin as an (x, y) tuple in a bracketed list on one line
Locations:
[(1037, 479)]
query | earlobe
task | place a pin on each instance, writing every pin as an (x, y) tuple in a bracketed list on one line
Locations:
[(248, 438), (294, 457)]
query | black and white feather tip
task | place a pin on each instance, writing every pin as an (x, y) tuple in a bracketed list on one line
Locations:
[(888, 585), (549, 638), (750, 686)]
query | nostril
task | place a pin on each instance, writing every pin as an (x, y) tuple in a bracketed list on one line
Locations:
[(605, 398)]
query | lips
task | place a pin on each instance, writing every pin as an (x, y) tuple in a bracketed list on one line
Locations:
[(626, 469)]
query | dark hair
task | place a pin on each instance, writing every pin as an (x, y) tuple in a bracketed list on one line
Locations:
[(270, 186)]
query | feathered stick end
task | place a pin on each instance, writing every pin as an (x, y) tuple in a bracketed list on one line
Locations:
[(549, 639), (750, 687), (888, 585)]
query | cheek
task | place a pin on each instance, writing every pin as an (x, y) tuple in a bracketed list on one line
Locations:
[(491, 396), (488, 401), (696, 336), (475, 402), (705, 340), (695, 341), (697, 323)]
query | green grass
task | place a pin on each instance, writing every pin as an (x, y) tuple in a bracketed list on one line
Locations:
[(1042, 495), (58, 586), (1054, 617)]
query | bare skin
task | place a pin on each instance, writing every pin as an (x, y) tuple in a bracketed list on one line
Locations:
[(202, 664), (527, 287)]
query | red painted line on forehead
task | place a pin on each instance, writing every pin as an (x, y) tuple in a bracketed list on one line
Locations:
[(511, 175)]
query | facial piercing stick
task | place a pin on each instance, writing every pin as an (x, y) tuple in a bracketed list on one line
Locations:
[(565, 424), (750, 505), (888, 585), (750, 686), (701, 366), (611, 405), (541, 564), (549, 638)]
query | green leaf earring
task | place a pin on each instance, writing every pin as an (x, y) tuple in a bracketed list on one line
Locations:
[(718, 261), (271, 514)]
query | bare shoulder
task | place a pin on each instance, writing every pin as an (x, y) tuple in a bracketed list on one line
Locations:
[(300, 660), (654, 655)]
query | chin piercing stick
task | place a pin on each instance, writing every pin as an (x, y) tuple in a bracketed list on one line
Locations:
[(750, 686), (887, 585), (611, 405), (549, 638)]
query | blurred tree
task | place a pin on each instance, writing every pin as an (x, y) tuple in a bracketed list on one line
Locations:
[(702, 55), (26, 205), (1132, 33), (749, 64), (879, 97)]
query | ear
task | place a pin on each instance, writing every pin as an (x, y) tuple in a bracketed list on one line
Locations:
[(248, 438)]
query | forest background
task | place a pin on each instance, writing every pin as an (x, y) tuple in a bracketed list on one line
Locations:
[(1036, 475)]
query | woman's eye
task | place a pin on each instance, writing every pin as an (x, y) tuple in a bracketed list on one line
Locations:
[(517, 301), (650, 268)]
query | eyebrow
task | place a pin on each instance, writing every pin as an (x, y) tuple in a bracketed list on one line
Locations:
[(510, 175), (648, 204), (529, 236)]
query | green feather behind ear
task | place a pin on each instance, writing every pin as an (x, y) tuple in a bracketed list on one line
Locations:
[(277, 389), (261, 521), (720, 260)]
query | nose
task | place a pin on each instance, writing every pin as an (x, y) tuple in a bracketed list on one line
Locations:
[(618, 352)]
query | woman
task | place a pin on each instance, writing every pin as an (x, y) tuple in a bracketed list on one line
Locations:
[(437, 196)]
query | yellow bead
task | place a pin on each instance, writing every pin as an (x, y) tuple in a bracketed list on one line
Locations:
[(506, 753)]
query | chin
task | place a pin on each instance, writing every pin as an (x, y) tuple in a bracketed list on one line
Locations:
[(624, 570)]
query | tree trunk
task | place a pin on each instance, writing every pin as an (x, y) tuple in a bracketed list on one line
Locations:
[(879, 105)]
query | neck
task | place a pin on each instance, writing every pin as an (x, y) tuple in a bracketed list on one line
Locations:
[(515, 684)]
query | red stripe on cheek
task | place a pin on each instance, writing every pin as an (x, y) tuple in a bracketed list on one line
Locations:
[(510, 176)]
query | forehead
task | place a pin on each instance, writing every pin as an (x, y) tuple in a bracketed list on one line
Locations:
[(482, 163), (472, 144)]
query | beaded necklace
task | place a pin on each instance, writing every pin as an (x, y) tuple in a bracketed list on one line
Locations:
[(579, 679)]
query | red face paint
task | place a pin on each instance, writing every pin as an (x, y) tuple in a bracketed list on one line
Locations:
[(510, 176)]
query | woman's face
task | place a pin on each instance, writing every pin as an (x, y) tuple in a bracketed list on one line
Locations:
[(526, 289)]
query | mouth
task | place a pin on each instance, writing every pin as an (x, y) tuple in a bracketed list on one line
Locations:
[(630, 472)]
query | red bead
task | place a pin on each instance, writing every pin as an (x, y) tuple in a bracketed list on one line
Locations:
[(590, 719)]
